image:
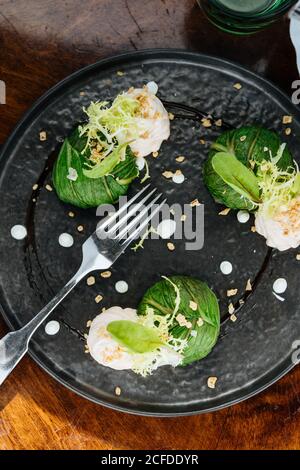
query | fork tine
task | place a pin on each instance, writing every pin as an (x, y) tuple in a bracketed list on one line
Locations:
[(142, 225), (131, 212), (139, 217), (113, 217)]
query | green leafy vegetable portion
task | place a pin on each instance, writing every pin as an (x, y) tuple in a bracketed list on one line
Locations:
[(236, 175), (104, 186), (204, 321), (134, 336), (251, 146)]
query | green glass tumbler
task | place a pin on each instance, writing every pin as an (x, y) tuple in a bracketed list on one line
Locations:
[(244, 16)]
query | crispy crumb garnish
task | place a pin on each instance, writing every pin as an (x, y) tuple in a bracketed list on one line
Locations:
[(253, 229), (231, 308), (182, 321), (178, 172), (71, 214), (202, 141), (248, 287), (193, 305), (287, 119), (105, 274), (206, 122), (288, 131), (243, 138), (195, 203), (120, 73), (219, 122), (49, 187), (211, 382), (91, 281), (233, 317), (43, 136), (200, 322), (82, 93), (80, 228), (171, 116), (88, 323), (298, 257), (231, 292), (118, 391), (171, 246), (183, 218), (180, 159), (98, 298), (225, 211), (168, 174), (154, 154), (237, 86), (35, 187)]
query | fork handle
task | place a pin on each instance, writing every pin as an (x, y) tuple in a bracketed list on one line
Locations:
[(14, 345)]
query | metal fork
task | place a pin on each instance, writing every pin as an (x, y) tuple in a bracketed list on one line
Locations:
[(99, 251)]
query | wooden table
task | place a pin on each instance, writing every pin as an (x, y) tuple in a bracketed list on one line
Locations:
[(40, 43)]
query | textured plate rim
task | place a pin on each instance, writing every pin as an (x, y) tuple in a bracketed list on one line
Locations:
[(268, 379)]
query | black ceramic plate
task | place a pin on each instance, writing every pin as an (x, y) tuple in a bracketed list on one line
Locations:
[(254, 351)]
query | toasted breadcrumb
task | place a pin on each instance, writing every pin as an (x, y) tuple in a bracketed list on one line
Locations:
[(287, 119), (168, 174), (105, 274), (231, 292), (211, 382), (225, 211), (91, 281), (237, 86), (171, 246), (194, 203), (193, 305), (231, 308)]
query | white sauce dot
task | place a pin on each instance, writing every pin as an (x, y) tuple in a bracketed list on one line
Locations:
[(280, 285), (166, 228), (178, 179), (152, 87), (121, 287), (243, 216), (52, 327), (226, 267), (140, 162), (66, 240), (18, 232)]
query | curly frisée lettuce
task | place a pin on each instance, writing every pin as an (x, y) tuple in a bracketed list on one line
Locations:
[(278, 215), (136, 117), (87, 176), (249, 146)]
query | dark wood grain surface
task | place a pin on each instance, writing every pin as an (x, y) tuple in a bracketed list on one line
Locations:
[(40, 43)]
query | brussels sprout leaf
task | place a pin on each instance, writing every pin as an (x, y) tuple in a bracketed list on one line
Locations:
[(137, 338), (236, 175)]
